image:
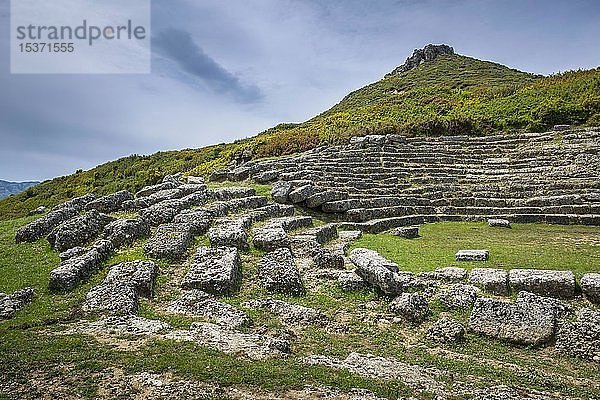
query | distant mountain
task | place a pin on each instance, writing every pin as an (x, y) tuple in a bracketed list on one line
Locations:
[(8, 188)]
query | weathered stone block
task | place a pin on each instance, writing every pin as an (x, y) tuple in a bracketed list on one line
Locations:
[(323, 233), (590, 286), (560, 284), (198, 220), (446, 274), (169, 241), (269, 238), (215, 270), (530, 320), (72, 252), (378, 271), (138, 274), (10, 305), (77, 203), (278, 272), (112, 298), (163, 212), (446, 330), (407, 232), (111, 203), (44, 225), (301, 194), (79, 230), (233, 192), (195, 180), (582, 337), (281, 191), (494, 281), (350, 281), (292, 223), (472, 255), (411, 306), (459, 296), (229, 233), (149, 190), (320, 198), (75, 269), (498, 222), (126, 231), (267, 176)]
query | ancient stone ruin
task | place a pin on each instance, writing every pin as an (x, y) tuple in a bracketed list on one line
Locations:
[(376, 183), (215, 239)]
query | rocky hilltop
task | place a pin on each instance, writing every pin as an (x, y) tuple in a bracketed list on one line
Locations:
[(420, 56)]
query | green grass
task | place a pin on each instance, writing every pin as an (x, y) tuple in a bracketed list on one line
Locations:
[(556, 247), (29, 265)]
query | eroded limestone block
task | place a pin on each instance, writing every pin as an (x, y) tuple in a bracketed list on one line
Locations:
[(278, 272), (530, 320), (216, 270), (560, 284)]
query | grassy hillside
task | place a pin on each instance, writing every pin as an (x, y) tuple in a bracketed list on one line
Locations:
[(452, 94)]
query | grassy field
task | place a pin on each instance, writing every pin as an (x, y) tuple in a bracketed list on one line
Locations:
[(32, 342), (541, 246)]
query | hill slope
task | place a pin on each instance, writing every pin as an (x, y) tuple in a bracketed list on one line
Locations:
[(8, 188), (448, 95)]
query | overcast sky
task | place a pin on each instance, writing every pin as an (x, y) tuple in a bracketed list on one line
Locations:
[(226, 69)]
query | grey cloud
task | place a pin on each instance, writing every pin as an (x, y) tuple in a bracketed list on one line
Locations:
[(178, 46)]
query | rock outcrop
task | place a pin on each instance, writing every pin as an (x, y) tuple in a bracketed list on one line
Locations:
[(420, 56)]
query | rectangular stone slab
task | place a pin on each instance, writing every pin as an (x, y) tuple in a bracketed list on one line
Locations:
[(228, 233), (560, 284), (169, 241), (216, 270), (494, 281), (590, 285), (530, 320), (472, 255)]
